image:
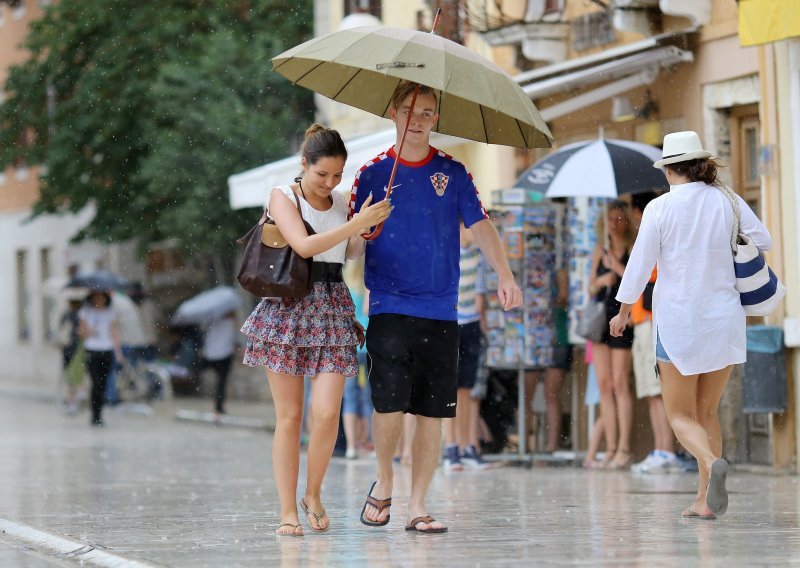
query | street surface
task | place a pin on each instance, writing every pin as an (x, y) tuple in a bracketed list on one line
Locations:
[(185, 493)]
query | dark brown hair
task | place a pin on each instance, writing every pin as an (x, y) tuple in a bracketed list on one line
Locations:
[(697, 170), (322, 142), (405, 88)]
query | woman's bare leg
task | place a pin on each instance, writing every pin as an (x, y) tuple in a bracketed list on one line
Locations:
[(326, 403), (621, 361), (287, 395), (710, 387), (554, 378), (681, 395), (608, 406)]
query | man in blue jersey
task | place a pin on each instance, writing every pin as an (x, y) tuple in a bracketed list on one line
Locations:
[(412, 272)]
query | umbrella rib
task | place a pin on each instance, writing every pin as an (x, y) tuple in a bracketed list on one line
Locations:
[(483, 122), (521, 132), (304, 75), (389, 102), (339, 92)]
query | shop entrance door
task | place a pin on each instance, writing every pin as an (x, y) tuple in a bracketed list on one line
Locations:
[(746, 177)]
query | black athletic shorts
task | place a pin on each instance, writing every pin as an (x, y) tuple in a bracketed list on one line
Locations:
[(413, 365), (469, 352)]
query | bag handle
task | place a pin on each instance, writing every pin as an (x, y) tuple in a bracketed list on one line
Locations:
[(737, 215), (265, 215)]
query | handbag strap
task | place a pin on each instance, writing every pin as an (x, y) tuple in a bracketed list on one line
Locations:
[(265, 215), (737, 215)]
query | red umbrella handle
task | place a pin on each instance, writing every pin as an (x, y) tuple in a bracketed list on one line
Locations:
[(377, 230)]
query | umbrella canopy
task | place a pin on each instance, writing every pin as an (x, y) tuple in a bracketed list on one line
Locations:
[(596, 168), (361, 67), (207, 306), (99, 279)]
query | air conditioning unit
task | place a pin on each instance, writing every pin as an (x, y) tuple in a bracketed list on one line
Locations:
[(698, 11)]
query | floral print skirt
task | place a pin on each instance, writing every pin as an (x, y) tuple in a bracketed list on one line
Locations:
[(304, 336)]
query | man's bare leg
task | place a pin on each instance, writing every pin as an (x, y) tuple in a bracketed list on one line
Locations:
[(386, 429), (427, 440)]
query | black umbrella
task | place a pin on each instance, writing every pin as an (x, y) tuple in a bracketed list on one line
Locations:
[(99, 279), (596, 168)]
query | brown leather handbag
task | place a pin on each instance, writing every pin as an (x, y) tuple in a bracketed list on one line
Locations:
[(270, 268)]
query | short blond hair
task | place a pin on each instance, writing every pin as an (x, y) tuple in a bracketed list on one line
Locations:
[(406, 88)]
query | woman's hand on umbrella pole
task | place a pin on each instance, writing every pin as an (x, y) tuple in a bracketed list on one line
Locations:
[(372, 214), (508, 293)]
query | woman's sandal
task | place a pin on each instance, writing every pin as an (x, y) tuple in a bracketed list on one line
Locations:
[(608, 457), (380, 505), (294, 531), (317, 516), (621, 464)]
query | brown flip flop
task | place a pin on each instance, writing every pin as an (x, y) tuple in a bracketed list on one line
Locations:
[(412, 526), (379, 504)]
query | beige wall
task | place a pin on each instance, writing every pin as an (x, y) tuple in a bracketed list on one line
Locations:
[(18, 189)]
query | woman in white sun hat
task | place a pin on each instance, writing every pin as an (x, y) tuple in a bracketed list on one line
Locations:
[(698, 319)]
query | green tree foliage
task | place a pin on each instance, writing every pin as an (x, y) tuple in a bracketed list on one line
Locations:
[(145, 108)]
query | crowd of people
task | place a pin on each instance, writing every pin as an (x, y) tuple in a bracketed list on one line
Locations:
[(107, 334), (423, 339), (419, 290)]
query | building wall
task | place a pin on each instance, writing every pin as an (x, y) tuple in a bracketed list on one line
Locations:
[(29, 299)]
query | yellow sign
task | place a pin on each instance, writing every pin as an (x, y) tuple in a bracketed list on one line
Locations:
[(764, 21)]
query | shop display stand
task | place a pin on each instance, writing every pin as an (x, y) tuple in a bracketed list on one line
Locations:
[(521, 339)]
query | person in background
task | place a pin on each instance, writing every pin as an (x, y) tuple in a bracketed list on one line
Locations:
[(662, 458), (357, 404), (72, 353), (148, 318), (461, 432), (99, 329), (219, 346), (698, 318), (562, 362), (612, 354)]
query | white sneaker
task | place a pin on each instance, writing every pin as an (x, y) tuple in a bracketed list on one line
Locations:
[(674, 464), (638, 467), (351, 454)]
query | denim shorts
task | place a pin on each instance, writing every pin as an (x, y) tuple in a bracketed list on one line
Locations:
[(357, 399), (661, 355)]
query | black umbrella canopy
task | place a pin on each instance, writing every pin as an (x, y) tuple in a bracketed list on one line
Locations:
[(596, 168), (99, 280)]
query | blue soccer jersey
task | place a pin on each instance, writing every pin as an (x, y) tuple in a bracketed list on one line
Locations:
[(412, 267)]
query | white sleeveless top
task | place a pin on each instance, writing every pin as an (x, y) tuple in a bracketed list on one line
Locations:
[(323, 221)]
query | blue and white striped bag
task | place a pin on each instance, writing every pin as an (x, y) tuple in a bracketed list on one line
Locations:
[(759, 289)]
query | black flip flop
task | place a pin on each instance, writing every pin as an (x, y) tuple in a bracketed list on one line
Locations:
[(379, 504)]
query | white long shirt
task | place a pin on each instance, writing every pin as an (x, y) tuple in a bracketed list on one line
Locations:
[(696, 309)]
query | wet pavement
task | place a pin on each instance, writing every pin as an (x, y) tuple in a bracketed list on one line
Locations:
[(185, 493)]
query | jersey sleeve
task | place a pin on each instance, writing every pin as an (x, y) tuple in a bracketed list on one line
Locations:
[(360, 190), (469, 202)]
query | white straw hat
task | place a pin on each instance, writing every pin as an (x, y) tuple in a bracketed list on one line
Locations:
[(681, 147)]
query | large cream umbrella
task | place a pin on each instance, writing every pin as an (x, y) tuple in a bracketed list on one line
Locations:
[(361, 67)]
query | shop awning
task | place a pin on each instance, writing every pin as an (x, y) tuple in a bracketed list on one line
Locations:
[(628, 67), (248, 189), (764, 21)]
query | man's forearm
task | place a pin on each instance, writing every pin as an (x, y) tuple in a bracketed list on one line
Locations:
[(491, 246)]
